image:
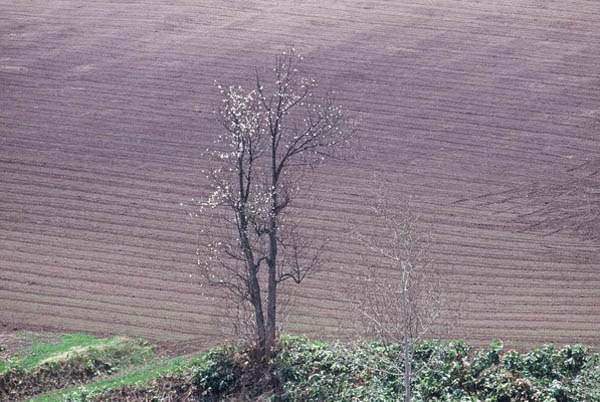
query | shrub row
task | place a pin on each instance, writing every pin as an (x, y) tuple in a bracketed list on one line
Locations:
[(301, 370)]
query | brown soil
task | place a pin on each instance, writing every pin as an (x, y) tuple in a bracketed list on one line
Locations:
[(484, 112), (14, 342)]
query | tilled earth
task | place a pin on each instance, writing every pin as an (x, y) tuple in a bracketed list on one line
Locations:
[(484, 113)]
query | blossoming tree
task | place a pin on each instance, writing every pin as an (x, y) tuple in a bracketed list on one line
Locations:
[(270, 135)]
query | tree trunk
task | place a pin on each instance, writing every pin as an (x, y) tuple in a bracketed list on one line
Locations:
[(258, 313), (272, 286), (272, 261), (253, 286), (407, 370)]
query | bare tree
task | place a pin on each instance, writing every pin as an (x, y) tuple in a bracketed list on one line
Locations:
[(271, 135), (399, 298)]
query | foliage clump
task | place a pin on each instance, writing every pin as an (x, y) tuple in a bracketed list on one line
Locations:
[(220, 372)]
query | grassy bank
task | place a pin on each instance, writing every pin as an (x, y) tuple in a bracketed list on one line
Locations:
[(51, 362)]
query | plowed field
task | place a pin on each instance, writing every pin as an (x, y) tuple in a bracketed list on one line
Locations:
[(486, 113)]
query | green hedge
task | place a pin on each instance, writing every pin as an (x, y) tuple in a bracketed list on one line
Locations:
[(304, 370)]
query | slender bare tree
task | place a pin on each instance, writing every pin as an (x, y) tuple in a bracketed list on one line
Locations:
[(272, 134), (399, 298)]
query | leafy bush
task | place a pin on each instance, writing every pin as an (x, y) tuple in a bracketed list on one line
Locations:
[(220, 372), (571, 359), (311, 370)]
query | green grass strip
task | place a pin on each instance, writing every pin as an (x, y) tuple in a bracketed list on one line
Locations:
[(59, 361), (43, 348), (139, 377)]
